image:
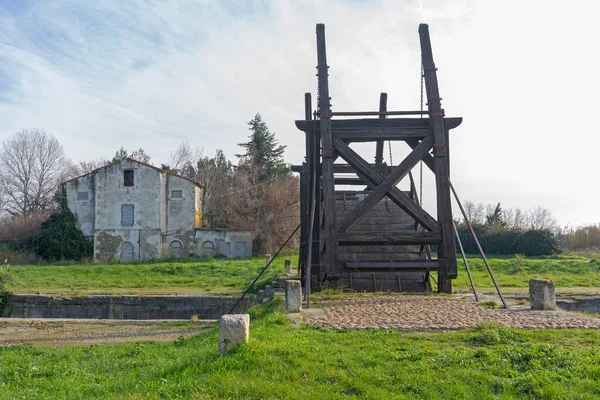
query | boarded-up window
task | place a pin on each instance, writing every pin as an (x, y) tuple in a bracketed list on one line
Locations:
[(175, 249), (128, 177), (82, 195), (127, 215), (176, 194), (127, 251)]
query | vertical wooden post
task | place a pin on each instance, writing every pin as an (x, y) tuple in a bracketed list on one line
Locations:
[(447, 249), (380, 143), (305, 190), (331, 237)]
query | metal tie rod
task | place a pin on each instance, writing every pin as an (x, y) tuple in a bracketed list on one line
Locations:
[(485, 261)]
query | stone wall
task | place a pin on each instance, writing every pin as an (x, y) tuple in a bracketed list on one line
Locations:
[(228, 243), (122, 307)]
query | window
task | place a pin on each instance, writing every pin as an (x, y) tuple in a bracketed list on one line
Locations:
[(82, 195), (176, 194), (128, 177), (127, 214), (208, 245)]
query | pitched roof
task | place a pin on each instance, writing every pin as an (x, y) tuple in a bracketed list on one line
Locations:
[(136, 161)]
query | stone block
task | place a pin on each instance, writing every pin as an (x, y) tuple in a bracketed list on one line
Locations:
[(541, 294), (293, 296), (267, 258), (288, 266), (234, 329)]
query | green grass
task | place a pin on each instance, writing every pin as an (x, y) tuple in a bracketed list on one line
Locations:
[(183, 277), (283, 361), (232, 276), (567, 271)]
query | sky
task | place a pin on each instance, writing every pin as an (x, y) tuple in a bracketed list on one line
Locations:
[(100, 75)]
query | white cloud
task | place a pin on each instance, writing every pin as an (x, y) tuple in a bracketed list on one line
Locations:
[(153, 74)]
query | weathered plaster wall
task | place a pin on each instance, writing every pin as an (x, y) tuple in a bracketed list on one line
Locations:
[(228, 243), (112, 194), (83, 208), (166, 209)]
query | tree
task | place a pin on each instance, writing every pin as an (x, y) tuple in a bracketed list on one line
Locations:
[(216, 174), (60, 237), (263, 151), (138, 155), (541, 218), (182, 160), (495, 217), (32, 164)]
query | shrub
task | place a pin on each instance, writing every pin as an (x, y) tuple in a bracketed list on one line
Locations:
[(509, 241), (60, 238)]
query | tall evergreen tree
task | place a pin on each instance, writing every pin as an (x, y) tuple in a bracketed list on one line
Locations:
[(263, 151)]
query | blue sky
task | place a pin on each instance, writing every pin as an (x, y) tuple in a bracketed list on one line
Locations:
[(104, 74)]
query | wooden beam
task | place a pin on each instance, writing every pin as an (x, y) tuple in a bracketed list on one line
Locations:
[(389, 238), (349, 181), (331, 240), (410, 265), (447, 250), (372, 178), (390, 181), (379, 113), (379, 145), (348, 169), (380, 135), (373, 123)]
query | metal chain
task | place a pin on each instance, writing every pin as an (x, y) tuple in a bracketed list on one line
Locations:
[(421, 164), (390, 147)]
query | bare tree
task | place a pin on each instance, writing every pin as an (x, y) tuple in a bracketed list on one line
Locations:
[(32, 164), (270, 209), (184, 159), (541, 218), (216, 174)]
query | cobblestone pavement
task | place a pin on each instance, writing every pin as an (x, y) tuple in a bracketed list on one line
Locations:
[(416, 313)]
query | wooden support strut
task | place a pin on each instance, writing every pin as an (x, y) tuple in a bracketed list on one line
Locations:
[(384, 187), (447, 250), (331, 240), (372, 178)]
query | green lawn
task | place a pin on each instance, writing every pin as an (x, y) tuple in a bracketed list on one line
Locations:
[(182, 277), (576, 273), (285, 361), (513, 273)]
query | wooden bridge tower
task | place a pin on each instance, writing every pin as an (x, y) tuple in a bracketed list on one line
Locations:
[(376, 238)]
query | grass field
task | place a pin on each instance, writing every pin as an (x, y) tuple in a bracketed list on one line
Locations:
[(183, 277), (513, 273), (570, 271), (286, 361)]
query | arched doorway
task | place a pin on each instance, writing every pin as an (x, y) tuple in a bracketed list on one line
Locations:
[(126, 251), (175, 249)]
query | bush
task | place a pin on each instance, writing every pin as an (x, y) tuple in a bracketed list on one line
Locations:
[(529, 243), (60, 238)]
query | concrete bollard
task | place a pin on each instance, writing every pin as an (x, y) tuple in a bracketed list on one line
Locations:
[(234, 329), (288, 266), (541, 294), (293, 296), (267, 258)]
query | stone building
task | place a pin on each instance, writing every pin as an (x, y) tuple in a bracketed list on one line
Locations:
[(136, 211)]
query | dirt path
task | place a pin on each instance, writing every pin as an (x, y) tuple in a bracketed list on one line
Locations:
[(68, 333), (415, 313)]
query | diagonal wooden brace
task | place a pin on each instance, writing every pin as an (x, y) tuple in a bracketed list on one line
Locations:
[(391, 180), (373, 179)]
